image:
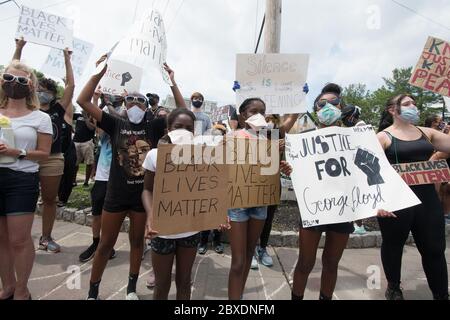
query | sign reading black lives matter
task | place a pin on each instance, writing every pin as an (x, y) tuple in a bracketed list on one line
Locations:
[(191, 196), (45, 28), (342, 175)]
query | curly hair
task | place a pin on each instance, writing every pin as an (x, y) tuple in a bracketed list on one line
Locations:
[(49, 85)]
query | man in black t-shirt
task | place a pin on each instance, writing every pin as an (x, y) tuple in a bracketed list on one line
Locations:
[(84, 133)]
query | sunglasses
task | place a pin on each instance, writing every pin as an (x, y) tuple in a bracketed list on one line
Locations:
[(20, 80), (335, 102), (130, 99)]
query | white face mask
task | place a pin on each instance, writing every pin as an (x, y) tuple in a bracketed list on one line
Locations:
[(181, 136), (257, 122), (135, 114), (270, 126)]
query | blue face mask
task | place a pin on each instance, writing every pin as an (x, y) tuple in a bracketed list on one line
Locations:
[(329, 114), (410, 115), (45, 98)]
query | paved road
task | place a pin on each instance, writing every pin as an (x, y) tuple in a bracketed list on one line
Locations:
[(210, 273)]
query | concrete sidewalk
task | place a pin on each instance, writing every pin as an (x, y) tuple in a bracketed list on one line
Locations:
[(49, 280)]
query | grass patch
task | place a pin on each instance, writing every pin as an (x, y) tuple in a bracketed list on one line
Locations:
[(80, 197)]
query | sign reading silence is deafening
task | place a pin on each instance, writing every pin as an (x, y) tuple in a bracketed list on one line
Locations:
[(45, 28), (278, 79), (343, 175)]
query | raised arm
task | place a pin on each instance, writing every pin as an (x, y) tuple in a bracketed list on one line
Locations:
[(20, 43), (179, 100), (67, 97), (85, 98), (68, 116), (289, 122)]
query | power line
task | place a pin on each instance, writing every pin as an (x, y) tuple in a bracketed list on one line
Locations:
[(175, 18), (256, 20), (51, 5), (420, 15), (260, 33)]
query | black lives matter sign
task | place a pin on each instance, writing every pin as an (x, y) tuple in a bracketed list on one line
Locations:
[(45, 28)]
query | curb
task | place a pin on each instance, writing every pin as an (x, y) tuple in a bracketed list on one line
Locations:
[(287, 239)]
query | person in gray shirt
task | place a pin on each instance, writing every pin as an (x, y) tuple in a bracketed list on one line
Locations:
[(203, 123)]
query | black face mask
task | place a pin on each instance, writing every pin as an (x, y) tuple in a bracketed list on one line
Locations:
[(197, 104), (16, 91)]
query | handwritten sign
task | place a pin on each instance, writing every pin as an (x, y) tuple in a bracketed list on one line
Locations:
[(433, 69), (278, 79), (146, 44), (428, 172), (121, 76), (220, 114), (342, 175), (45, 28), (55, 64), (188, 197), (254, 177)]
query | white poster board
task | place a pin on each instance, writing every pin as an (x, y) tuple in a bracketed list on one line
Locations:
[(55, 65), (278, 79), (121, 77), (342, 175), (146, 44), (45, 28)]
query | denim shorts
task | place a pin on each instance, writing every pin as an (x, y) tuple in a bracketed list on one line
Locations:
[(243, 215)]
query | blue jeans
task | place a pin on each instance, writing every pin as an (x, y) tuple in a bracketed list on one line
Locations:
[(244, 215)]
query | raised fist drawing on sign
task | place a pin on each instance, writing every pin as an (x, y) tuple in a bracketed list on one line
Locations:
[(126, 77), (369, 164)]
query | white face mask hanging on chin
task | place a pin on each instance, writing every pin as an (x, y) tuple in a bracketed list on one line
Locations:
[(135, 115)]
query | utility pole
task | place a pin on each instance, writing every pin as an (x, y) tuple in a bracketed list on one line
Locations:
[(272, 34)]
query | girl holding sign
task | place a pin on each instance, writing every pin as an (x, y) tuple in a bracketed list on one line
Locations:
[(403, 142), (328, 106), (19, 179), (51, 170), (131, 140), (183, 246)]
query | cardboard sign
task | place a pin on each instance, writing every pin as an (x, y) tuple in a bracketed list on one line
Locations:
[(188, 197), (428, 172), (278, 79), (146, 44), (45, 28), (120, 77), (343, 175), (56, 66), (220, 114), (433, 69), (254, 176)]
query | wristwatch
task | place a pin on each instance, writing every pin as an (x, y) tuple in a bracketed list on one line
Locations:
[(22, 155)]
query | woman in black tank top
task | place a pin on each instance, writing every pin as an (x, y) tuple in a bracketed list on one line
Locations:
[(403, 142)]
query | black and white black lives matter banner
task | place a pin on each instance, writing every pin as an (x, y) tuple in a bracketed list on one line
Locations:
[(342, 175)]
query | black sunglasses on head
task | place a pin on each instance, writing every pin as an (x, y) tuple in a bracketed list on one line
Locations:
[(20, 80)]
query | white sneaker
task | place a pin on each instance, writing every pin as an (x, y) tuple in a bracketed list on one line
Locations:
[(255, 265), (132, 297)]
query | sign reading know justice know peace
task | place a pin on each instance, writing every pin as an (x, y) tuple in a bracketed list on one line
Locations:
[(433, 69), (342, 175), (45, 28), (188, 197)]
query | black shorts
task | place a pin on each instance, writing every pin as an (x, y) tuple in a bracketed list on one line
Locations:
[(115, 207), (169, 246), (344, 228), (19, 192), (98, 194)]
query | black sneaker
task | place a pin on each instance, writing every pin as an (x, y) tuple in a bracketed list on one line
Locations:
[(89, 253), (202, 248), (218, 247), (394, 293)]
